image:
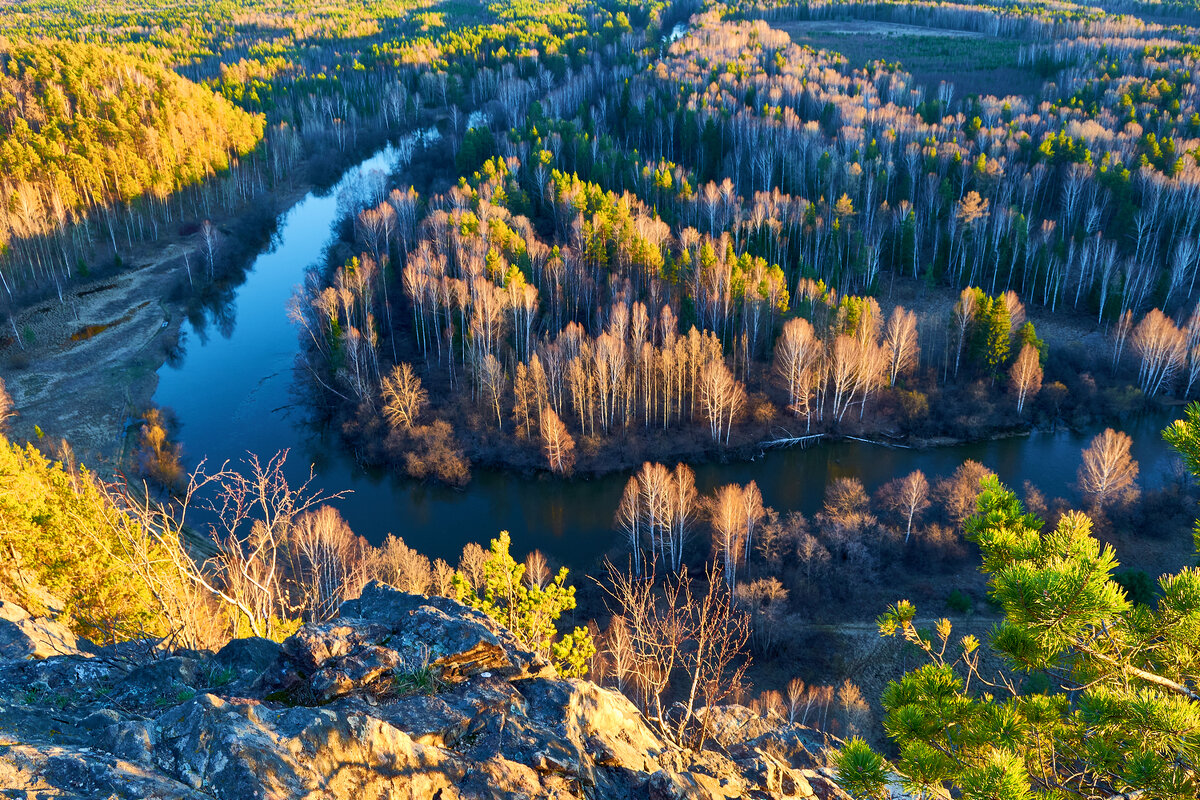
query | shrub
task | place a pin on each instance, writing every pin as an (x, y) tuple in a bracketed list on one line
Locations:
[(61, 527), (527, 608), (960, 602)]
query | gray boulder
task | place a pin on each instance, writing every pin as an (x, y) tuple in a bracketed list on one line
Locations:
[(401, 696), (25, 637)]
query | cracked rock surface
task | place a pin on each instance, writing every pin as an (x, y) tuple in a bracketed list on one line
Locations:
[(401, 696)]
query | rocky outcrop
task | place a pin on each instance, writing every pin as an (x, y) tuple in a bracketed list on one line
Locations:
[(401, 696), (25, 636)]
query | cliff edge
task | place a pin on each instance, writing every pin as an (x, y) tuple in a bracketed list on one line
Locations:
[(401, 696)]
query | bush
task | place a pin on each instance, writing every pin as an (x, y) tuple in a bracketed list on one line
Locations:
[(61, 528), (960, 602), (157, 458), (527, 607)]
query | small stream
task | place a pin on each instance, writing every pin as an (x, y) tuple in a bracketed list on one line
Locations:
[(231, 393)]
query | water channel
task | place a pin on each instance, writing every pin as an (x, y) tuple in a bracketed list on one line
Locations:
[(231, 394)]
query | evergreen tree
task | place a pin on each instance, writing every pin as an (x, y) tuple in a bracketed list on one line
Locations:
[(1121, 714), (527, 608)]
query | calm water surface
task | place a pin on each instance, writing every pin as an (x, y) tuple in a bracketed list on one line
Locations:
[(231, 393)]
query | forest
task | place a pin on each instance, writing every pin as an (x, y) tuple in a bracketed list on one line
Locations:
[(708, 244), (635, 239)]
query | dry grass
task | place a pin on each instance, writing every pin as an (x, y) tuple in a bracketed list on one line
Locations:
[(974, 63)]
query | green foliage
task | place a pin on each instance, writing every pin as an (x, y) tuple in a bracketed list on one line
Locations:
[(61, 528), (93, 125), (989, 337), (528, 609), (478, 145), (1027, 335), (1184, 436), (1138, 586), (959, 601), (422, 680), (1120, 713)]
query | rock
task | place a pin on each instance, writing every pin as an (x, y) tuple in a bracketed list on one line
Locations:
[(242, 665), (734, 723), (602, 722), (401, 696), (437, 631), (160, 684), (83, 773), (24, 637), (240, 750), (99, 720), (340, 676), (252, 654)]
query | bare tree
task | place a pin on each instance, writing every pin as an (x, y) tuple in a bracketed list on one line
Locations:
[(1162, 348), (1108, 470), (908, 496), (398, 565), (491, 379), (403, 396), (900, 343), (727, 514), (721, 398), (537, 572), (618, 646), (1016, 311), (795, 700), (1026, 375), (1120, 337), (684, 643), (208, 240), (797, 355), (959, 492), (557, 444), (327, 563), (764, 601), (471, 563), (962, 320)]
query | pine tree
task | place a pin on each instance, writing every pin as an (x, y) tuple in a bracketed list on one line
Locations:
[(528, 609), (1121, 716)]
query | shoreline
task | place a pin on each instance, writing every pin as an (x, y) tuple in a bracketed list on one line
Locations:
[(93, 364)]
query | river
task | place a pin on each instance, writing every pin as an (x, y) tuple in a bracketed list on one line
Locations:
[(230, 391)]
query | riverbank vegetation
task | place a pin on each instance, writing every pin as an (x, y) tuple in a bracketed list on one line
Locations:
[(704, 249), (717, 603), (1070, 630), (136, 125)]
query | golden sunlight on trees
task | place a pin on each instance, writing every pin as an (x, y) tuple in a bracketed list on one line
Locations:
[(528, 604), (157, 458), (1162, 348), (1026, 376), (734, 513), (657, 510), (557, 444), (1108, 472), (403, 396)]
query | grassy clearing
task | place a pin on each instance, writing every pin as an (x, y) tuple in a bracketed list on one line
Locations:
[(974, 63)]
